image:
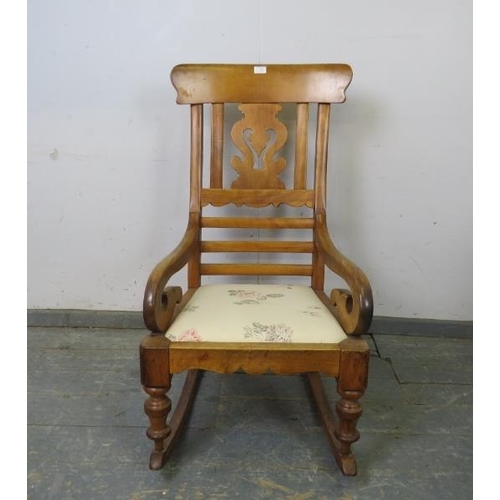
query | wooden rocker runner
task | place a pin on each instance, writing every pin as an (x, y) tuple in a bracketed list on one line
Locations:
[(266, 212)]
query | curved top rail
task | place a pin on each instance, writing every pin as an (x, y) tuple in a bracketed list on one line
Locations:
[(248, 83)]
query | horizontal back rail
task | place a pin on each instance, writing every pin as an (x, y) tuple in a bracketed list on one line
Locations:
[(258, 223), (258, 246), (258, 197), (256, 269)]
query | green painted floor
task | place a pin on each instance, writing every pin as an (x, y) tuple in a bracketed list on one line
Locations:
[(248, 437)]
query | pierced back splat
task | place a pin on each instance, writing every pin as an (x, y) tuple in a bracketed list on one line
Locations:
[(259, 135)]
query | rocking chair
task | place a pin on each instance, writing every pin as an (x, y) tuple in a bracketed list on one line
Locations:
[(255, 321)]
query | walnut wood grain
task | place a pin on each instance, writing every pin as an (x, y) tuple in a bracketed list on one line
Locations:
[(340, 427), (318, 276), (157, 305), (207, 83), (217, 146), (302, 133), (321, 156), (353, 308), (351, 385), (168, 433), (157, 408), (259, 167), (258, 246), (258, 223), (256, 269), (255, 357), (259, 136), (196, 157), (194, 264), (257, 197)]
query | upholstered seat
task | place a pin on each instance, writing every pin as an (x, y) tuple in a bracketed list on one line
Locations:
[(255, 194), (255, 313)]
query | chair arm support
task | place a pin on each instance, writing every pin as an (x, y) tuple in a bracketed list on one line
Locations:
[(160, 300), (354, 307)]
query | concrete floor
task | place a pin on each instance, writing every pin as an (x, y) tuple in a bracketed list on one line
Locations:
[(248, 437)]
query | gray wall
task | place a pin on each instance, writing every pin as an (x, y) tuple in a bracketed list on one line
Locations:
[(107, 150)]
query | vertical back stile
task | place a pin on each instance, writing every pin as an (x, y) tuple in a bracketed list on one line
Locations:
[(300, 172), (321, 155), (196, 156), (217, 145), (320, 163), (194, 277)]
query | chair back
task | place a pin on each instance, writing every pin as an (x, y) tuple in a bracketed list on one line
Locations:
[(260, 160)]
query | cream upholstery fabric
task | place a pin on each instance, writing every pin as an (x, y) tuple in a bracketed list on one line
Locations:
[(255, 313)]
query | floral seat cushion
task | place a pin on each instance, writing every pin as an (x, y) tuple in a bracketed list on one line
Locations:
[(255, 313)]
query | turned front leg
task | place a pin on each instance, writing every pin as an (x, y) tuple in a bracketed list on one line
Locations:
[(348, 412), (157, 407), (156, 380), (351, 385)]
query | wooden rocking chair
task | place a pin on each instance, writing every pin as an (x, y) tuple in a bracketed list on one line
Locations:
[(262, 323)]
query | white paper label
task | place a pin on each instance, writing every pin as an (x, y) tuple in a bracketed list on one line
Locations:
[(260, 70)]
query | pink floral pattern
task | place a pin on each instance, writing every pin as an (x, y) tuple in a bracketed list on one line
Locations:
[(190, 335)]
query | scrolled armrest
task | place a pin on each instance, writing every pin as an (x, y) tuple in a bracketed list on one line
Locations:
[(160, 300), (354, 307)]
